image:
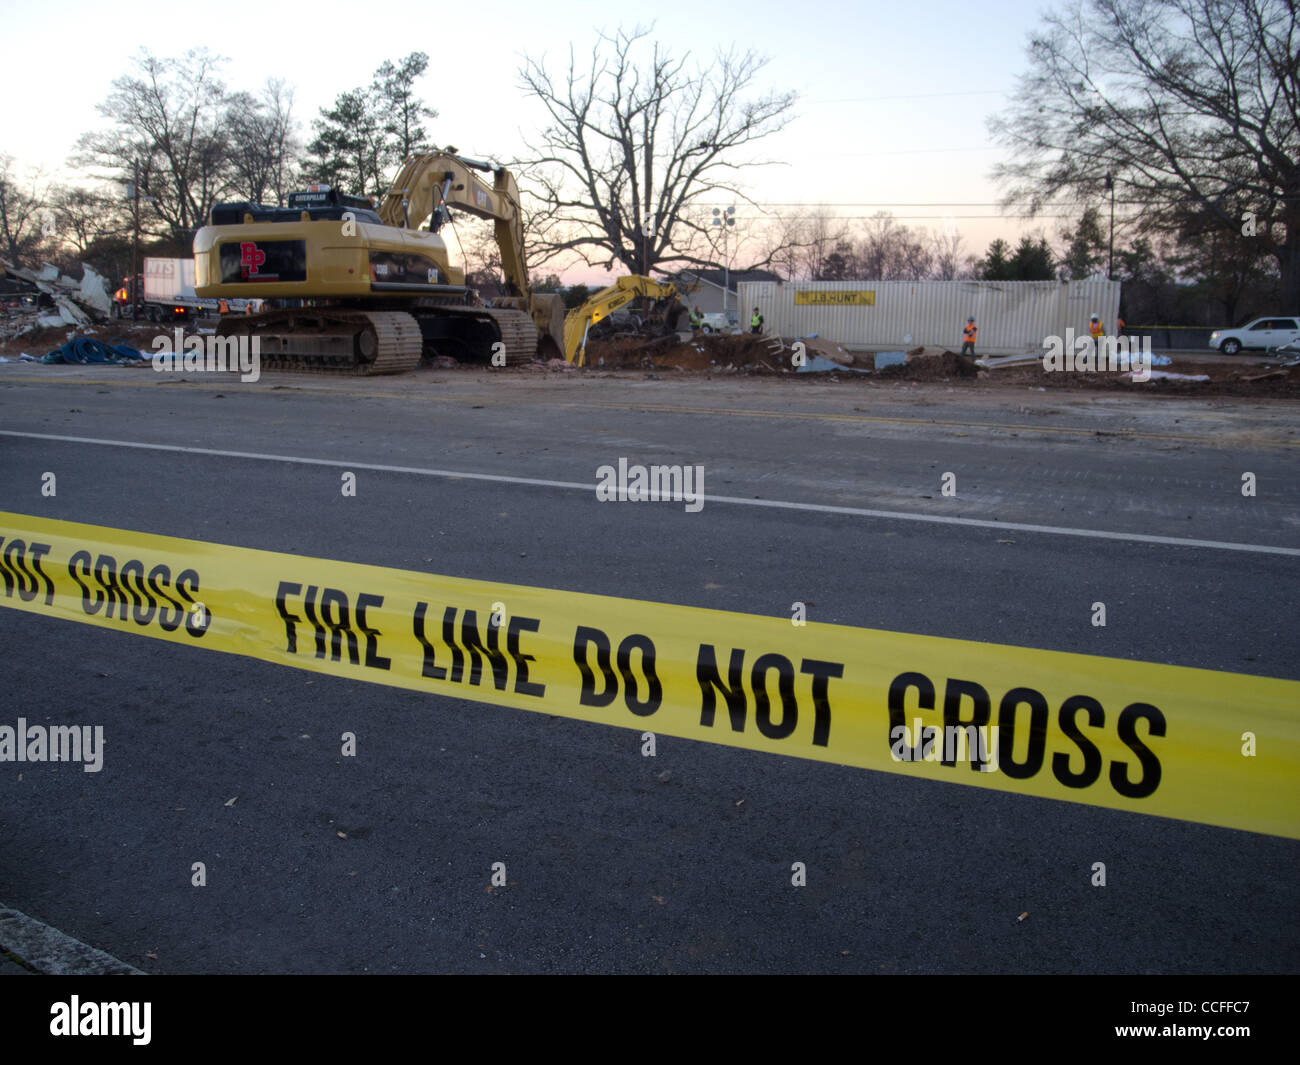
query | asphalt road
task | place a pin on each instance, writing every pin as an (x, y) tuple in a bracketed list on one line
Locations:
[(619, 863)]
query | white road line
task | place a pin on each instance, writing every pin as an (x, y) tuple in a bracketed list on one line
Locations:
[(771, 504)]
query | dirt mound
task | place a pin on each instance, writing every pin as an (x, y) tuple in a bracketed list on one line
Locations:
[(928, 364), (720, 353)]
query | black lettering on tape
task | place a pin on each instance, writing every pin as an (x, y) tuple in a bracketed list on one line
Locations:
[(169, 622), (1150, 779), (309, 606), (36, 552), (336, 617), (1038, 714), (522, 684), (82, 558), (785, 686), (140, 597), (1068, 719), (477, 650), (106, 575), (898, 708), (15, 560), (285, 589), (822, 673), (970, 728), (374, 660), (449, 638), (5, 574), (706, 674), (583, 637), (428, 667), (196, 625), (655, 690)]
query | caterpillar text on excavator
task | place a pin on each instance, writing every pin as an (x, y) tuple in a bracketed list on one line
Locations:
[(368, 291)]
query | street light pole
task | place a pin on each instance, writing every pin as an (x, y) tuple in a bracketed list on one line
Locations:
[(730, 220)]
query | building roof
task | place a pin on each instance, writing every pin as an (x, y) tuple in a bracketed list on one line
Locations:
[(714, 276)]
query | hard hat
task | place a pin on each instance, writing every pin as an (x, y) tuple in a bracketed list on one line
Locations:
[(1095, 318), (970, 319)]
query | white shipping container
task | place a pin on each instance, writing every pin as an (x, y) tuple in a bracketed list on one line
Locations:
[(1013, 317), (167, 280)]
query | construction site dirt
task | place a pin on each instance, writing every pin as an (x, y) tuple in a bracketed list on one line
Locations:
[(714, 355)]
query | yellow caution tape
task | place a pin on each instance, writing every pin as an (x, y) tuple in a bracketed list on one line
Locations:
[(1217, 748)]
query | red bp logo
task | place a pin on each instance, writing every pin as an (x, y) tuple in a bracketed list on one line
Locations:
[(250, 258)]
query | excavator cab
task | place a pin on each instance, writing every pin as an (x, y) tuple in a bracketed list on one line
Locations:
[(319, 202)]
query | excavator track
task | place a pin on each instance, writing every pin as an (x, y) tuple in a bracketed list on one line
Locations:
[(473, 330), (332, 340), (518, 333)]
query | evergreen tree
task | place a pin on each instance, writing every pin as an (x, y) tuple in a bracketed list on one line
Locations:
[(405, 112), (996, 264)]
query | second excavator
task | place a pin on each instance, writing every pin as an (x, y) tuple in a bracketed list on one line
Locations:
[(369, 290)]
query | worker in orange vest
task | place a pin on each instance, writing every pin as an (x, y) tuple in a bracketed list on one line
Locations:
[(1094, 328), (1119, 327), (223, 307), (968, 337)]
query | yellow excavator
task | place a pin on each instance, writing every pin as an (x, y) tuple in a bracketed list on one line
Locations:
[(368, 290), (579, 321)]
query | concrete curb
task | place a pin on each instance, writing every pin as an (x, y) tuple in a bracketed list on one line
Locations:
[(51, 953)]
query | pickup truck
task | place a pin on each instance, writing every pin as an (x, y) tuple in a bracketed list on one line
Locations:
[(721, 322)]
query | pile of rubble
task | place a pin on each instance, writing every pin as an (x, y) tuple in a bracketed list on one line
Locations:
[(45, 298)]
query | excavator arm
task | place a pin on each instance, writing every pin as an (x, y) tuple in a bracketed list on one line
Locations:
[(428, 185), (578, 322)]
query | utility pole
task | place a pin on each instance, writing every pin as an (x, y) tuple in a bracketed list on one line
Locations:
[(1110, 254), (133, 194)]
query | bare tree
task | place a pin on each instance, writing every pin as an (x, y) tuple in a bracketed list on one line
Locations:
[(797, 244), (26, 222), (949, 262), (168, 130), (1192, 105), (636, 139), (84, 216), (262, 142), (887, 251)]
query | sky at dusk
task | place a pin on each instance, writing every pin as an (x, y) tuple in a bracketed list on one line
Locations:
[(891, 110)]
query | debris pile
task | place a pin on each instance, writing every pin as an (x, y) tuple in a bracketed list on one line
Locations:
[(88, 351), (716, 352), (46, 298), (930, 364)]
